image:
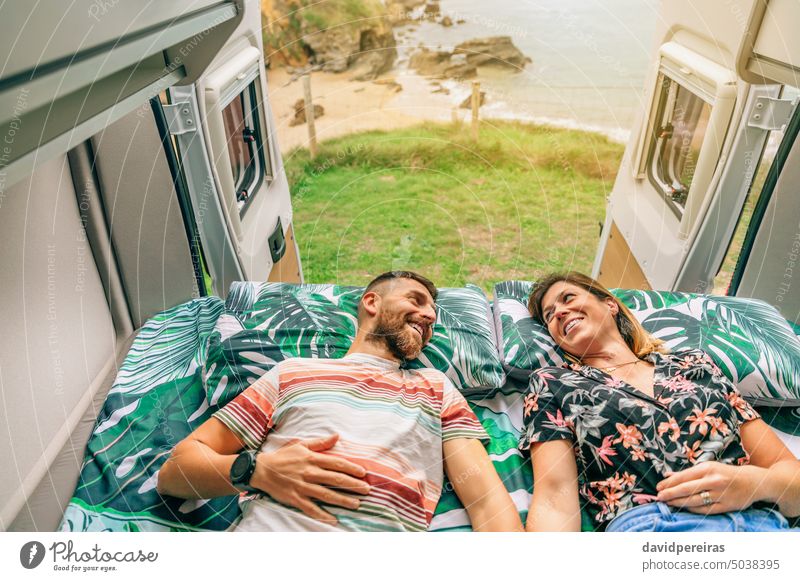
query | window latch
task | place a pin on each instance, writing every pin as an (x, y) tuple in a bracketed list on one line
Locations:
[(678, 192), (248, 135)]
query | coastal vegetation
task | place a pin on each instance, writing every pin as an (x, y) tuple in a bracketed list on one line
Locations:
[(341, 35), (520, 201), (332, 35)]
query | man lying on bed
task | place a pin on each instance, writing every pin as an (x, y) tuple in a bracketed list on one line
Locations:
[(358, 435)]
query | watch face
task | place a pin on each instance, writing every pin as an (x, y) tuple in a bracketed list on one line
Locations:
[(241, 468)]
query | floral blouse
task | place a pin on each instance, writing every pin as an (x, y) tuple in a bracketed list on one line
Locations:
[(626, 442)]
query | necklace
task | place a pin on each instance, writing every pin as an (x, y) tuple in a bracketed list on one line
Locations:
[(615, 367)]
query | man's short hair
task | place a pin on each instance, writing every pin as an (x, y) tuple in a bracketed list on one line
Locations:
[(395, 274)]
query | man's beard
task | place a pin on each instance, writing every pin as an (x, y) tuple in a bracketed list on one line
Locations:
[(392, 331)]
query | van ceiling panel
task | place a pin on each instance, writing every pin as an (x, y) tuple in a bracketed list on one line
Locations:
[(773, 56), (49, 106), (144, 215), (42, 39), (52, 130), (58, 338)]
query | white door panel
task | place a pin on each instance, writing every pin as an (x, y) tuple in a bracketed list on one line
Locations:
[(660, 198), (232, 155)]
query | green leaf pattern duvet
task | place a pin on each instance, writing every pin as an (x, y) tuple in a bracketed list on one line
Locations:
[(750, 341), (192, 359)]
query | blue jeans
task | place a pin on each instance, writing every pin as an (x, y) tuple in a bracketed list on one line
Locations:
[(659, 517)]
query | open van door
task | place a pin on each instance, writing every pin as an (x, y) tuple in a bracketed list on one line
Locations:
[(99, 234), (691, 161), (768, 266), (224, 132)]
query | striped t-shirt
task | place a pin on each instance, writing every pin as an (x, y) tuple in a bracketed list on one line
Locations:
[(391, 421)]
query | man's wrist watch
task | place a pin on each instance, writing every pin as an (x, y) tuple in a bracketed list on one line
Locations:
[(242, 470)]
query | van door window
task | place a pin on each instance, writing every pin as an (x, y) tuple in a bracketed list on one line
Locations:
[(249, 164), (678, 135)]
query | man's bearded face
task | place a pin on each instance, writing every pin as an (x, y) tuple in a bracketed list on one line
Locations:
[(404, 333)]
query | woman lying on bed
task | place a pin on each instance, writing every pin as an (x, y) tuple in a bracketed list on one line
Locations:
[(664, 441)]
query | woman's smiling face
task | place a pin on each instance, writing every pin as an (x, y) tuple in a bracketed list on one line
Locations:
[(578, 321)]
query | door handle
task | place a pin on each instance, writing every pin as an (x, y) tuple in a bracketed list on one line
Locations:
[(277, 243)]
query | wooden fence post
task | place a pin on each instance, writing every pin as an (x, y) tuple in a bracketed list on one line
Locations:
[(476, 105), (309, 110)]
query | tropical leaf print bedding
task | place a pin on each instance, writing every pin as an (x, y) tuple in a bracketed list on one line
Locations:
[(752, 343), (285, 320), (501, 416), (189, 361), (156, 400), (463, 345)]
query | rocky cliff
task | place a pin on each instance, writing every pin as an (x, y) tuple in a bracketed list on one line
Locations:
[(335, 35)]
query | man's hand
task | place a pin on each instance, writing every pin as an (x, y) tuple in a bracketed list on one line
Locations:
[(729, 488), (299, 473)]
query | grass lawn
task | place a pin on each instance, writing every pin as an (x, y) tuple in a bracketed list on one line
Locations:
[(522, 201)]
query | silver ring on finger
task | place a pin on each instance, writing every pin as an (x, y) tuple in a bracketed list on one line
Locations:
[(706, 496)]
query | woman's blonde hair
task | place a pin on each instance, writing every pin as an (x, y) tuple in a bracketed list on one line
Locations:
[(638, 340)]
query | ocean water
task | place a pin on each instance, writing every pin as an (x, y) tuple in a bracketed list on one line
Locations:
[(589, 59)]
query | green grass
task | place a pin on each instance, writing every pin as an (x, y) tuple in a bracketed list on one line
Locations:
[(523, 201)]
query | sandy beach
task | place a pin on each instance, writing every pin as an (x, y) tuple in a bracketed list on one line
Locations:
[(564, 86), (350, 106)]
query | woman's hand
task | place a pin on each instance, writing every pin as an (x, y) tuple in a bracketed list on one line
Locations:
[(729, 488)]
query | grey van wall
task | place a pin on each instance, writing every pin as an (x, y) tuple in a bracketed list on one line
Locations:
[(58, 342), (143, 214), (61, 343)]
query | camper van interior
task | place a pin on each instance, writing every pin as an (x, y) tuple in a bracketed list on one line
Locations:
[(151, 270)]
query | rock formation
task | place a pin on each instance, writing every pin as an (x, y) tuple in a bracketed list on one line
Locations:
[(327, 37), (399, 11), (432, 10), (408, 4), (463, 62), (370, 47), (358, 36), (392, 84), (467, 103), (300, 112), (441, 64), (497, 51)]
